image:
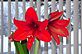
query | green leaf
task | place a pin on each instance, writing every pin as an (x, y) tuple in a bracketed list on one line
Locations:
[(25, 49), (19, 48)]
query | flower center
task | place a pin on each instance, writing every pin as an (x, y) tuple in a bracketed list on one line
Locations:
[(34, 25)]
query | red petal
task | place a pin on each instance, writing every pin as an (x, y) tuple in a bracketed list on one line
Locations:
[(55, 15), (63, 23), (56, 38), (31, 15), (43, 24), (59, 30), (20, 24), (20, 35), (43, 35), (30, 42)]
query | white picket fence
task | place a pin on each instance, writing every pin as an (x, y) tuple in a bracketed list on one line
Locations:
[(68, 48)]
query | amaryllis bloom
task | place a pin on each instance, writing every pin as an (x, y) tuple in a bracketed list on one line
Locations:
[(58, 27), (31, 28)]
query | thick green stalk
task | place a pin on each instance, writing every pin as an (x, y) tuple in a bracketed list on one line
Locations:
[(36, 48), (19, 48), (25, 49)]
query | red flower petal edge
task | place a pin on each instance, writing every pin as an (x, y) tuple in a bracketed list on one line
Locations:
[(30, 42)]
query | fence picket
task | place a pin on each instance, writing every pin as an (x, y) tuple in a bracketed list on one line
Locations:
[(16, 8), (68, 15), (9, 25), (81, 27), (24, 8), (2, 27), (53, 5), (75, 26), (38, 8), (60, 5), (31, 3)]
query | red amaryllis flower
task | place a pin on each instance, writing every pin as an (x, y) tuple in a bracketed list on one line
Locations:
[(57, 26), (31, 28)]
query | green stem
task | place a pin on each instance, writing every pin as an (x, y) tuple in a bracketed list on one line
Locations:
[(23, 43), (36, 48), (25, 49), (19, 48)]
